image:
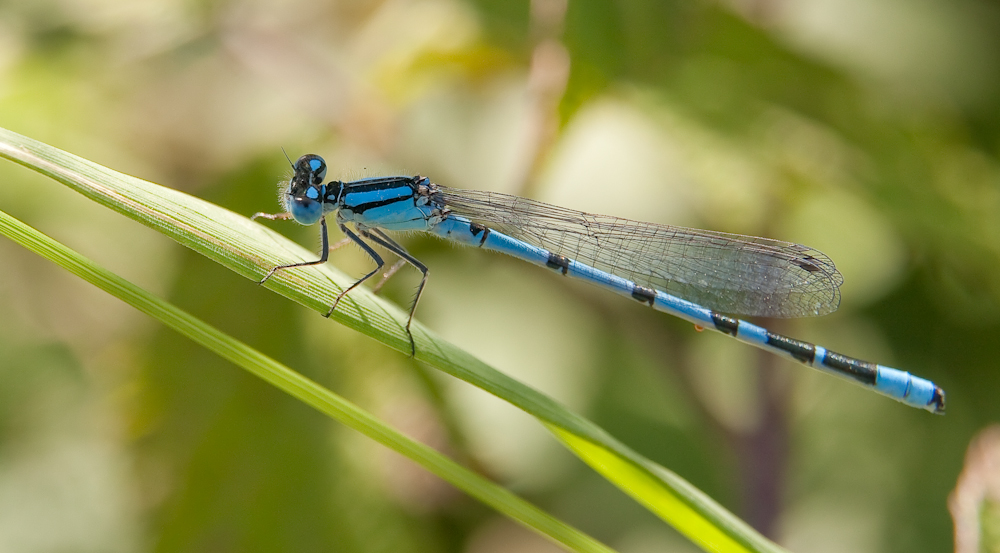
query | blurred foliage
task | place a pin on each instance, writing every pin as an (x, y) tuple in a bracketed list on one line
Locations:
[(867, 129)]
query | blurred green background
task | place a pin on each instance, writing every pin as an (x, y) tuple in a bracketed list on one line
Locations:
[(867, 129)]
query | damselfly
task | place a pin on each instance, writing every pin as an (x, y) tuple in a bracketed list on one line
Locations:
[(700, 276)]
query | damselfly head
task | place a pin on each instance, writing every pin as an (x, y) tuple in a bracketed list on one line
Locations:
[(304, 197)]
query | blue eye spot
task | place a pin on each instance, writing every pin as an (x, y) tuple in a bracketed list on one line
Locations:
[(315, 164), (312, 194)]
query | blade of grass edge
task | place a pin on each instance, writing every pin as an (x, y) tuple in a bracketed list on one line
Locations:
[(300, 387), (251, 249)]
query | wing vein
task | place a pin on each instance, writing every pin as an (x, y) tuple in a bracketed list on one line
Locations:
[(732, 273)]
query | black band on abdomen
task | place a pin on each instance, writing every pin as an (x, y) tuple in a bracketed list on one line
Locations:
[(558, 262)]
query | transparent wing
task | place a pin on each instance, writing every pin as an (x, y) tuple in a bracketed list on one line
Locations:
[(731, 273)]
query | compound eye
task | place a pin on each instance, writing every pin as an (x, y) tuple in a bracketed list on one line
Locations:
[(304, 209), (313, 166)]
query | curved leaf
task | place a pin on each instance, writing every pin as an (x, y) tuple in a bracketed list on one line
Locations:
[(251, 250)]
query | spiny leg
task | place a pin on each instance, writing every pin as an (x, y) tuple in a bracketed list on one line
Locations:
[(395, 266), (323, 257), (340, 244), (388, 274), (368, 249), (381, 239), (271, 216), (385, 277)]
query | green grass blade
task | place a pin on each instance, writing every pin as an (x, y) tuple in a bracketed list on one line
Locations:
[(251, 250), (300, 387)]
